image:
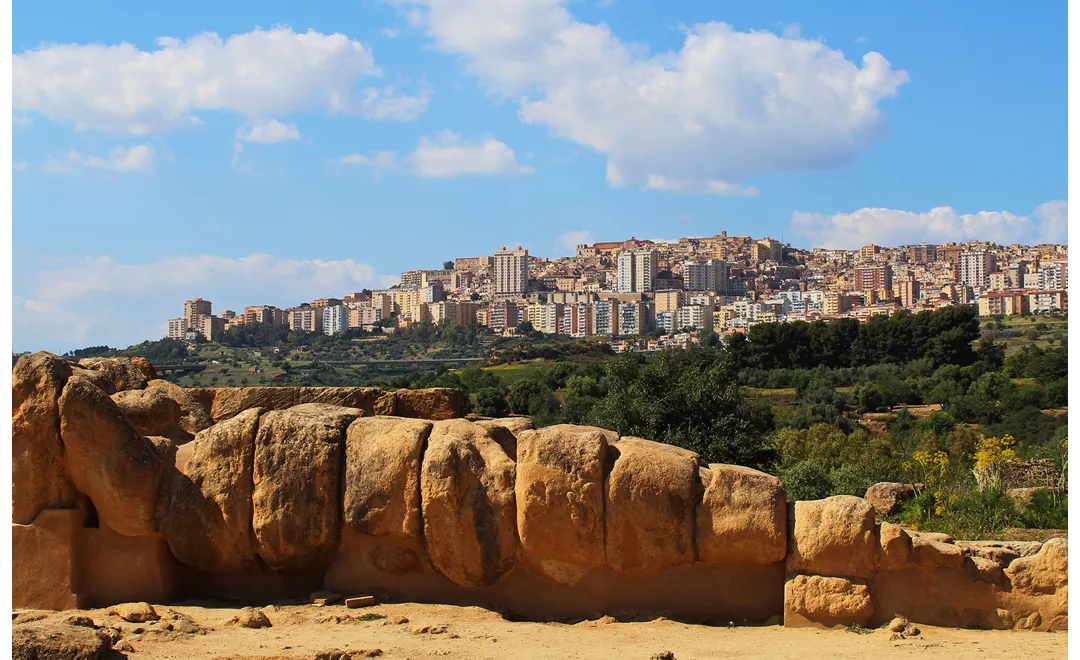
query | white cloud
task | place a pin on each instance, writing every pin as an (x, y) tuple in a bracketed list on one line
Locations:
[(122, 89), (939, 225), (268, 132), (21, 165), (571, 239), (1053, 219), (136, 159), (446, 156), (728, 104), (70, 303), (723, 188)]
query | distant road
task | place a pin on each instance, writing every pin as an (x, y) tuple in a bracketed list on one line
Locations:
[(351, 363)]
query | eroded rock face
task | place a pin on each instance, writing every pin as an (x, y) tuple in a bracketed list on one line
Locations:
[(1044, 572), (225, 402), (39, 474), (194, 417), (895, 548), (208, 521), (742, 517), (118, 469), (363, 398), (382, 475), (467, 490), (888, 497), (651, 492), (436, 403), (827, 599), (59, 641), (151, 411), (835, 536), (297, 481), (123, 373), (560, 499)]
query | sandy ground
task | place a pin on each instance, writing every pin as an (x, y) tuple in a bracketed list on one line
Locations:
[(417, 631)]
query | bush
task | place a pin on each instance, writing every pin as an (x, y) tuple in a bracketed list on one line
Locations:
[(806, 480), (491, 403), (1046, 510)]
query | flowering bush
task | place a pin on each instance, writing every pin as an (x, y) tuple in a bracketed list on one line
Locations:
[(991, 459)]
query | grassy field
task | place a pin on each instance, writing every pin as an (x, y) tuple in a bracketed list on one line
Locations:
[(1045, 331), (512, 373)]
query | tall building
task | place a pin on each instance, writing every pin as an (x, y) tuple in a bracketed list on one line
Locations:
[(176, 329), (975, 266), (305, 319), (511, 272), (335, 319), (636, 271), (909, 290), (922, 253), (502, 315), (195, 308), (1054, 275), (412, 278), (364, 316), (264, 314), (710, 275), (605, 317), (873, 278), (635, 318), (869, 252)]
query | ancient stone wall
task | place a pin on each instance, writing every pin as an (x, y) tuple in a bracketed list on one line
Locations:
[(260, 493)]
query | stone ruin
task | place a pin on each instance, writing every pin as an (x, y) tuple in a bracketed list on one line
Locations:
[(128, 488)]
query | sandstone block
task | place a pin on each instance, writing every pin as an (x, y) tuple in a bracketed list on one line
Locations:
[(382, 475), (37, 641), (151, 411), (894, 548), (434, 403), (742, 517), (134, 612), (297, 480), (39, 474), (226, 402), (359, 601), (467, 491), (1045, 572), (835, 536), (118, 469), (826, 600), (560, 500), (935, 554), (194, 417), (651, 493), (208, 521), (888, 497), (363, 398), (123, 373)]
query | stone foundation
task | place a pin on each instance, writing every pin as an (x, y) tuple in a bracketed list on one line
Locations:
[(283, 491)]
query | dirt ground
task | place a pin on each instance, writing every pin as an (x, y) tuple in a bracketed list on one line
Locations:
[(418, 631)]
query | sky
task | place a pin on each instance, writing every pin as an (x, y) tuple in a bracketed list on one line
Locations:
[(275, 152)]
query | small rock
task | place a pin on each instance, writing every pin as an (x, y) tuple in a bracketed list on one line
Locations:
[(912, 631), (332, 654), (898, 624), (113, 632), (359, 601), (188, 627), (324, 597), (249, 617), (83, 621), (124, 647), (37, 640), (398, 621), (607, 619), (134, 612), (896, 636), (663, 655)]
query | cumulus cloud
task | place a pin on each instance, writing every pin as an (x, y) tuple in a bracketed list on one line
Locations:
[(136, 159), (723, 188), (571, 239), (726, 105), (269, 131), (70, 303), (445, 156), (122, 89), (939, 225)]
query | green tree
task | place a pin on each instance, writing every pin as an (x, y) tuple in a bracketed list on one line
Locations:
[(490, 402), (448, 265)]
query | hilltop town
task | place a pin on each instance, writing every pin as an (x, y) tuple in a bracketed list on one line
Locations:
[(672, 291)]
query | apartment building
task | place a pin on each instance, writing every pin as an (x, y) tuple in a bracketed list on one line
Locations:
[(510, 272), (1043, 302), (698, 317), (305, 319), (873, 278), (364, 317), (709, 275), (1001, 303), (264, 314), (335, 319), (605, 317), (635, 318), (501, 315), (974, 268), (176, 328), (196, 308), (922, 253), (909, 290), (636, 271)]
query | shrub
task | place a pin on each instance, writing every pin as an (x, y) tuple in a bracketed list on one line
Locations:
[(806, 480), (1047, 510)]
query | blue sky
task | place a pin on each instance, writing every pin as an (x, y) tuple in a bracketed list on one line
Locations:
[(312, 149)]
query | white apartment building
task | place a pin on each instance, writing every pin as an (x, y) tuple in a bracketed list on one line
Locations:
[(636, 271), (511, 272), (335, 320), (176, 329)]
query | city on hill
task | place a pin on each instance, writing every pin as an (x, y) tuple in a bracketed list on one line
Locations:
[(653, 295)]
